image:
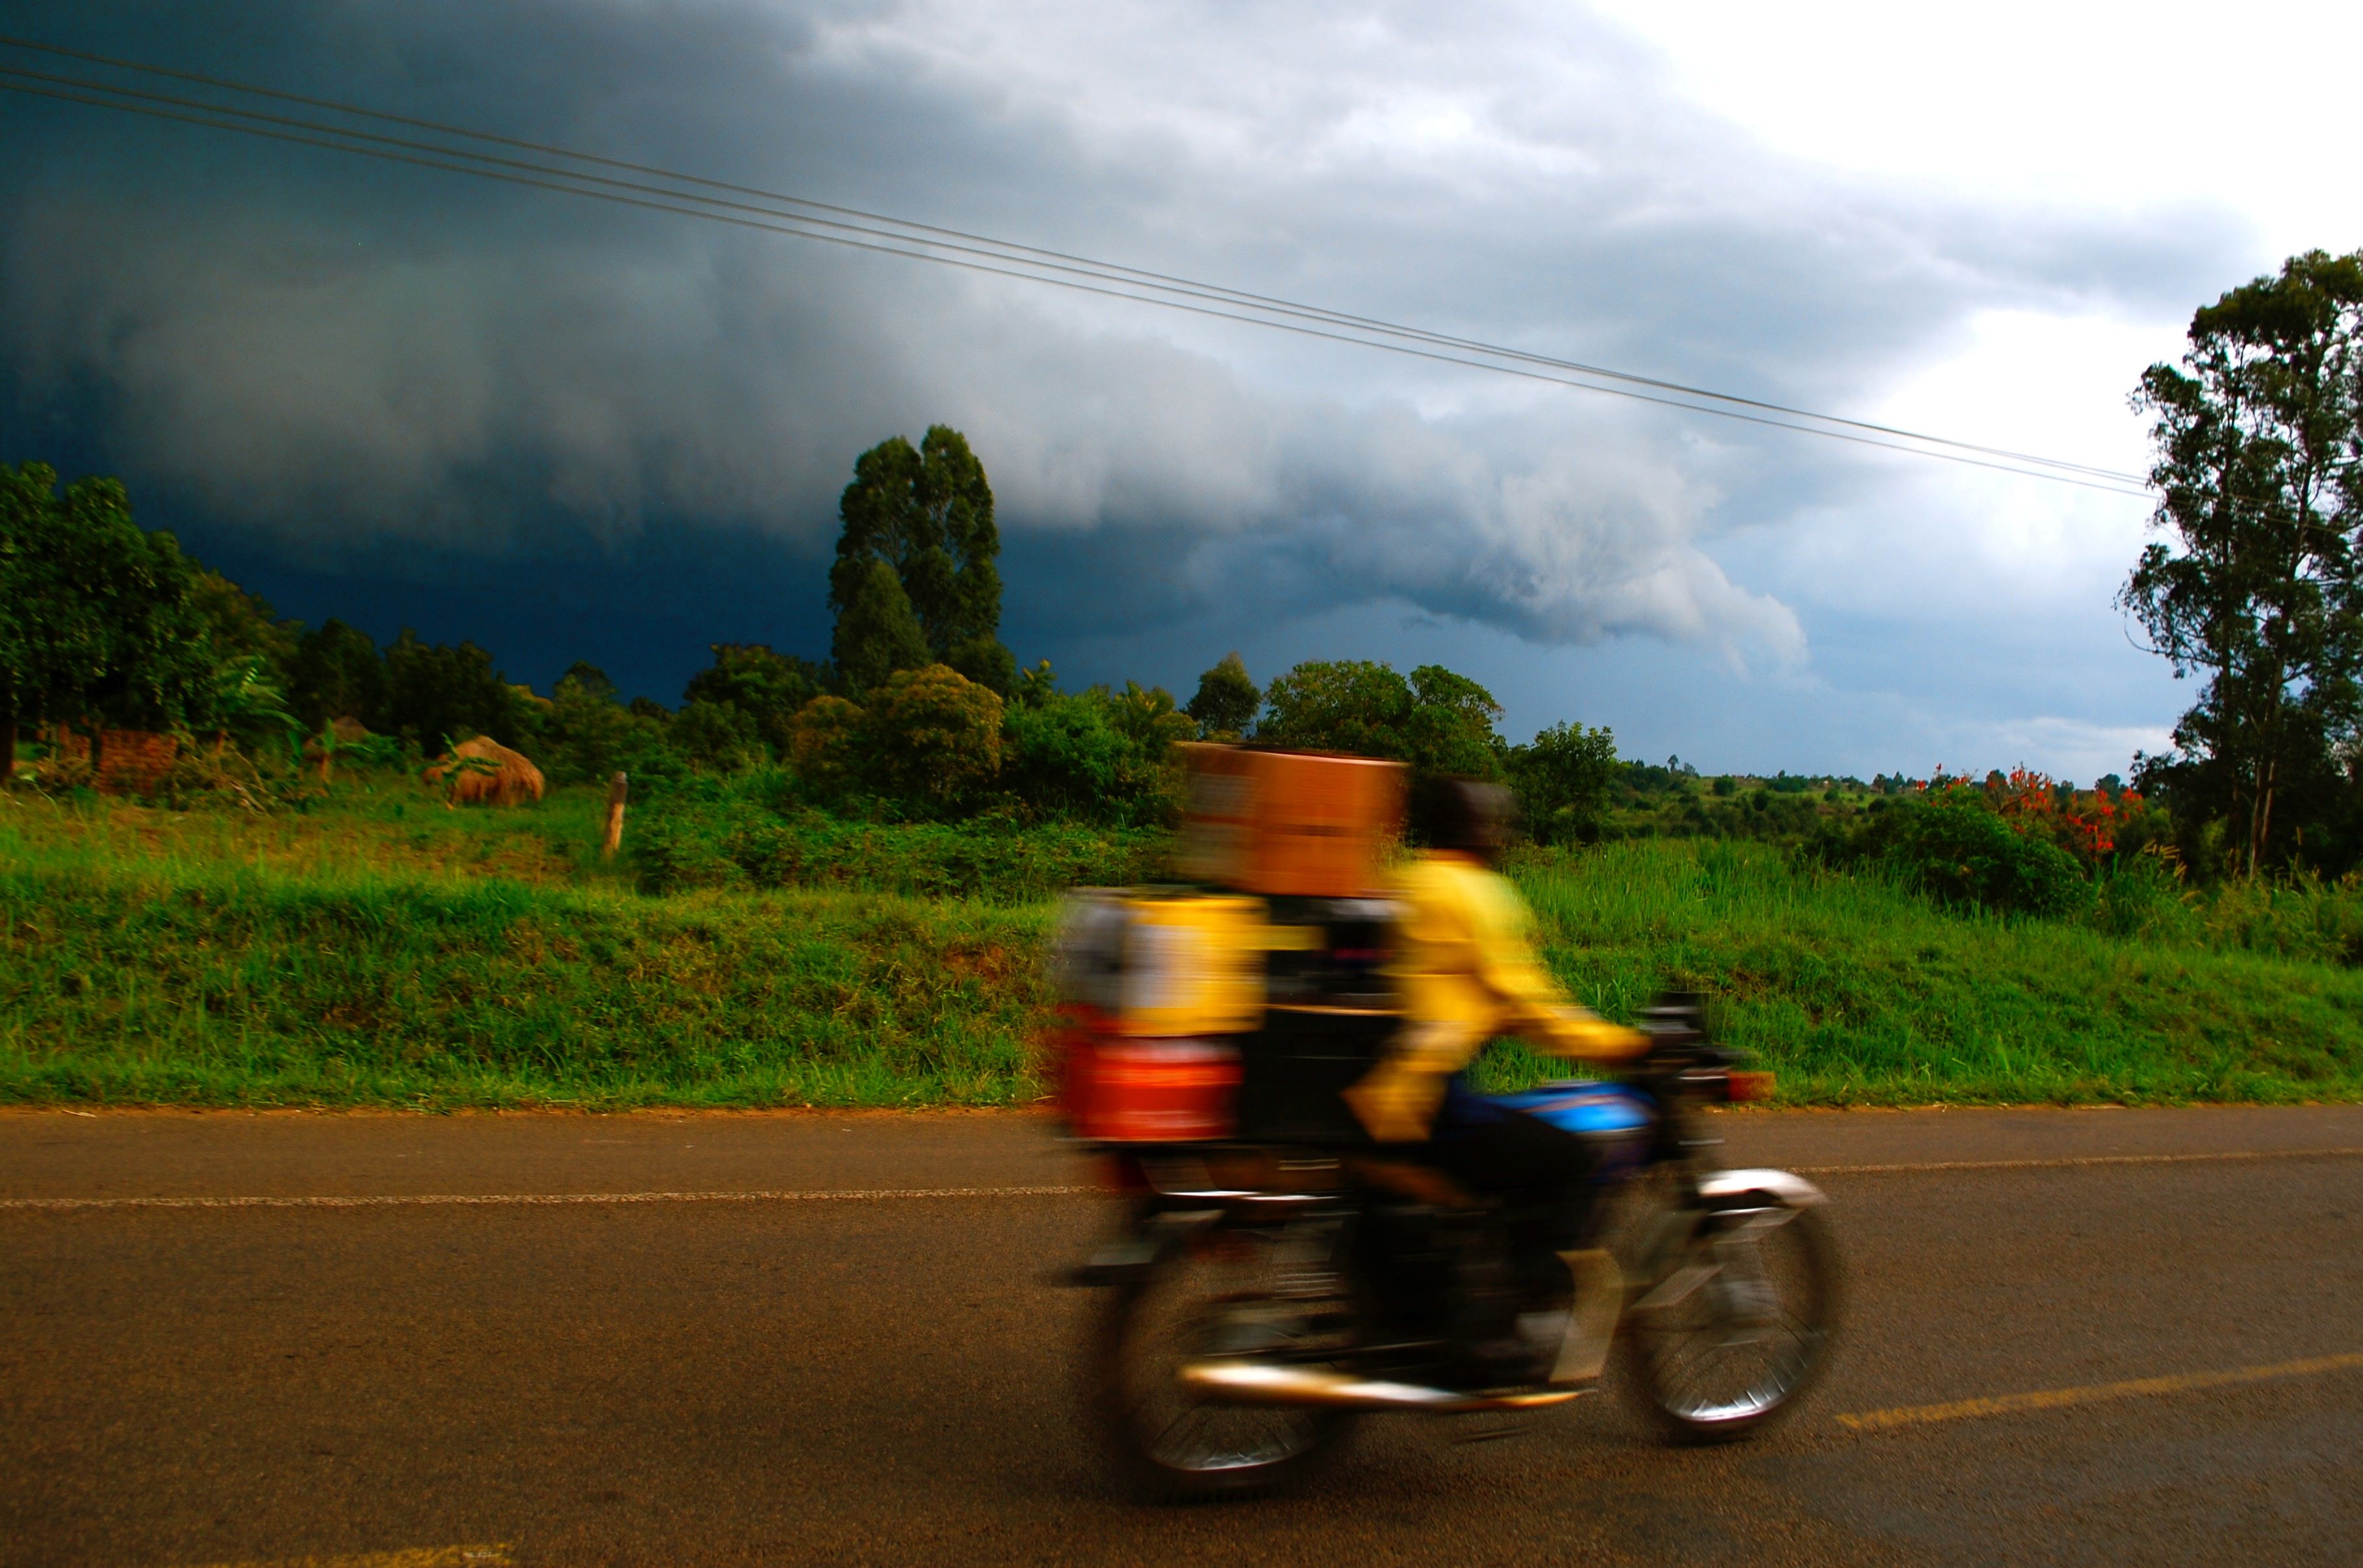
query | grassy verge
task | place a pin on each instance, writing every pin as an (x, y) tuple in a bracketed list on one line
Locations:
[(386, 951), (1858, 993), (238, 988), (383, 950), (735, 838)]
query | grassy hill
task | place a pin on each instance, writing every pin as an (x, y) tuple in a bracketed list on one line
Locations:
[(380, 949)]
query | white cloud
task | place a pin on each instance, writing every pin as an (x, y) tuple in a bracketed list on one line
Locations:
[(2106, 106)]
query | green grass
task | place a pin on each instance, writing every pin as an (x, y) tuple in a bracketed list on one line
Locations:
[(382, 950), (1855, 992), (161, 957), (750, 834)]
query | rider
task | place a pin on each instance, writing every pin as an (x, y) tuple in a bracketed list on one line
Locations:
[(1466, 973)]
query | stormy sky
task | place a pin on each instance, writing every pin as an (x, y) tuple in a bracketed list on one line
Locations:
[(569, 429)]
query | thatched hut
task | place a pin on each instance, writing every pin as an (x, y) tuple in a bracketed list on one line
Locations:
[(511, 780), (320, 750)]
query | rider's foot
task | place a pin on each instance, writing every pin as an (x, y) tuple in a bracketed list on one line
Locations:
[(1591, 1327), (1512, 1361)]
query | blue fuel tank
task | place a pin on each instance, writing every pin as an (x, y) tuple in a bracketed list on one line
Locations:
[(1619, 1122)]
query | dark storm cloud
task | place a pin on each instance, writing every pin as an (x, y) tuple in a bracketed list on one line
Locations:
[(329, 359)]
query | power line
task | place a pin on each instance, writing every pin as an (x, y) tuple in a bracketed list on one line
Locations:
[(785, 222), (876, 233), (1097, 267)]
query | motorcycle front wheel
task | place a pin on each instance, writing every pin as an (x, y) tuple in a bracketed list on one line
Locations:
[(1736, 1326), (1225, 1292)]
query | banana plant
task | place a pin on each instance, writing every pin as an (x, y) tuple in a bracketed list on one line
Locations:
[(249, 705)]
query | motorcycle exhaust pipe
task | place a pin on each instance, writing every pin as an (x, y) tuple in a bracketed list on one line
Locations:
[(1243, 1381)]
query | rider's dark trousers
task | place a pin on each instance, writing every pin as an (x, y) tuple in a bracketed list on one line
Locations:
[(1539, 1171)]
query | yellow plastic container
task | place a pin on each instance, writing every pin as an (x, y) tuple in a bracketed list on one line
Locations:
[(1190, 966)]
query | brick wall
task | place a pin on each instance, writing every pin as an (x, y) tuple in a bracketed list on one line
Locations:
[(131, 762)]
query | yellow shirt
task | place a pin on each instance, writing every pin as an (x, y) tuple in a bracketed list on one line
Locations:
[(1466, 974)]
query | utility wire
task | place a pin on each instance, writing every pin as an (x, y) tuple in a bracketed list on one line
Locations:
[(1012, 248), (1024, 263)]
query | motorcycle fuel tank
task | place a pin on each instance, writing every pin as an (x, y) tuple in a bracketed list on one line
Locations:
[(1616, 1120)]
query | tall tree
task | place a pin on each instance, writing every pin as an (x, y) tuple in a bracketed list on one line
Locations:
[(243, 625), (766, 687), (36, 605), (439, 695), (337, 673), (926, 512), (878, 633), (1452, 721), (1226, 699), (1564, 778), (2257, 443), (1436, 721), (100, 621)]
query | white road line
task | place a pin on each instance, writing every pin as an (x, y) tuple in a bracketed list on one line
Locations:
[(510, 1200), (881, 1195), (409, 1557)]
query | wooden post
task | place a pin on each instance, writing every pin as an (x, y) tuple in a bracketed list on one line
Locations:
[(616, 790)]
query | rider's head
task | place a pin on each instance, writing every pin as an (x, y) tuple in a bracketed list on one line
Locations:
[(1470, 815)]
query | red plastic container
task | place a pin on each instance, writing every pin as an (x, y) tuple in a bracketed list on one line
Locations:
[(1119, 1090)]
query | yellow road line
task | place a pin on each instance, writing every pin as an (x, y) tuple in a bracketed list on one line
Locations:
[(2092, 1394), (407, 1557), (2071, 1162)]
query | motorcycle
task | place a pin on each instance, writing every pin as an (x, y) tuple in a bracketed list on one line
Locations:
[(1272, 1285)]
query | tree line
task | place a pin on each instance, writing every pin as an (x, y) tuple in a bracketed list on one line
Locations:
[(920, 710), (2254, 591)]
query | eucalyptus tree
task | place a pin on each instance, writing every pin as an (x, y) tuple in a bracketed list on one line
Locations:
[(2257, 589), (923, 514)]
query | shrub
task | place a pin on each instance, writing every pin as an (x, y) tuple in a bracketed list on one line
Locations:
[(1063, 758), (1960, 852), (674, 851), (2141, 895), (2303, 918), (934, 735), (722, 737), (2087, 824), (703, 831), (761, 689), (825, 745), (587, 735), (1091, 755)]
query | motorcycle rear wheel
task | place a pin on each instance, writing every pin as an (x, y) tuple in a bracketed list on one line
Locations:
[(1732, 1353), (1209, 1296)]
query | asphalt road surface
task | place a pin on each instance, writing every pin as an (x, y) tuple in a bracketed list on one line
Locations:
[(424, 1342)]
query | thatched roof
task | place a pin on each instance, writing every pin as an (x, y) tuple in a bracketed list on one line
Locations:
[(347, 731), (511, 780)]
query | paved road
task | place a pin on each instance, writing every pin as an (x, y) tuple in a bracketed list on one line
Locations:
[(687, 1379)]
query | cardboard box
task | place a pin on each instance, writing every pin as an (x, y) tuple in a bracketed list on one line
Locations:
[(1290, 823)]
